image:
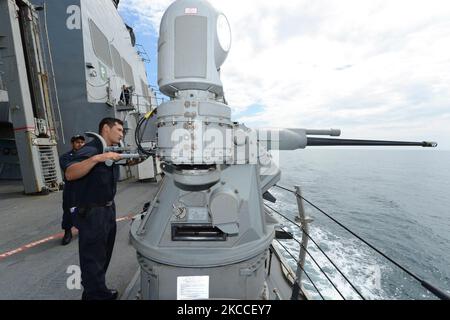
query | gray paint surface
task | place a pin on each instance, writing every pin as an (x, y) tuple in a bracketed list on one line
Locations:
[(79, 100), (40, 273), (77, 114), (81, 97)]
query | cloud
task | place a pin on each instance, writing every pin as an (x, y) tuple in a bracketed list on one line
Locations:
[(375, 68), (147, 14)]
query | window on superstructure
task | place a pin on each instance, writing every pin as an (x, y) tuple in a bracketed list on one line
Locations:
[(117, 61), (128, 73), (100, 43)]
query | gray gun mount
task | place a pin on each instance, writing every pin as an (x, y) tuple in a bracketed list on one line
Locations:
[(206, 234)]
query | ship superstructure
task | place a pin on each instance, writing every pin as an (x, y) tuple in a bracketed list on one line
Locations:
[(89, 57)]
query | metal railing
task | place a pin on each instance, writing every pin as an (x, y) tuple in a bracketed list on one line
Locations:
[(137, 101), (306, 237)]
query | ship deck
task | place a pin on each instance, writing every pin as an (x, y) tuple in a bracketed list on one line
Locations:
[(34, 265)]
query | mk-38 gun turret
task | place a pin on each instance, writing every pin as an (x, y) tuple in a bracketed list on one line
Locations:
[(206, 234)]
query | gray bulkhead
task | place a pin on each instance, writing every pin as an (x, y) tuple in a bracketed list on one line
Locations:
[(86, 37), (92, 56)]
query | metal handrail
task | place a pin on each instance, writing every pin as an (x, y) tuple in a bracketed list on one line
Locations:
[(434, 290), (302, 268), (301, 263), (321, 250)]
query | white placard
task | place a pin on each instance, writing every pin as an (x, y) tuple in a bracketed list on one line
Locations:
[(193, 288), (198, 214), (190, 10)]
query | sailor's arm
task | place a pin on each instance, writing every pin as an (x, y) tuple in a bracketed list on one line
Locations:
[(79, 170)]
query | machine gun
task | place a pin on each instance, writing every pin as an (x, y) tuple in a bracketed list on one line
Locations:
[(125, 152), (207, 228), (374, 143), (292, 139)]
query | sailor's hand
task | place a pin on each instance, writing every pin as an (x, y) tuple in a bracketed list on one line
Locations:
[(108, 156)]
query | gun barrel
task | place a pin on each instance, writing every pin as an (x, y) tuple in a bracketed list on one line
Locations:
[(331, 132), (351, 142)]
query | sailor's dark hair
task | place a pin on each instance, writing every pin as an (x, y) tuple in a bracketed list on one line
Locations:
[(111, 122), (77, 137)]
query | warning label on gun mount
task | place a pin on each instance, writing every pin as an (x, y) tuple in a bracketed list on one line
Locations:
[(193, 288)]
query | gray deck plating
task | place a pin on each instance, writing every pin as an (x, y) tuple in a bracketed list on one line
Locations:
[(40, 273)]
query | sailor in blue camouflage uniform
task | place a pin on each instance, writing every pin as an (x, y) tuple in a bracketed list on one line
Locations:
[(77, 142), (94, 187)]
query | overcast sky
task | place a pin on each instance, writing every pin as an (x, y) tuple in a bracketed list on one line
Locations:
[(373, 68)]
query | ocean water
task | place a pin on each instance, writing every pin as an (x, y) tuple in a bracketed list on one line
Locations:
[(397, 200)]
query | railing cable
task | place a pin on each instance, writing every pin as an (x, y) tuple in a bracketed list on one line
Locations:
[(318, 265), (435, 291), (314, 260), (320, 249), (304, 271)]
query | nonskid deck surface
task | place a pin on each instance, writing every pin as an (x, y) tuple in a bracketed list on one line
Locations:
[(38, 271)]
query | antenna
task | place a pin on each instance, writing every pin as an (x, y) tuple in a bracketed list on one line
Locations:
[(143, 53)]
